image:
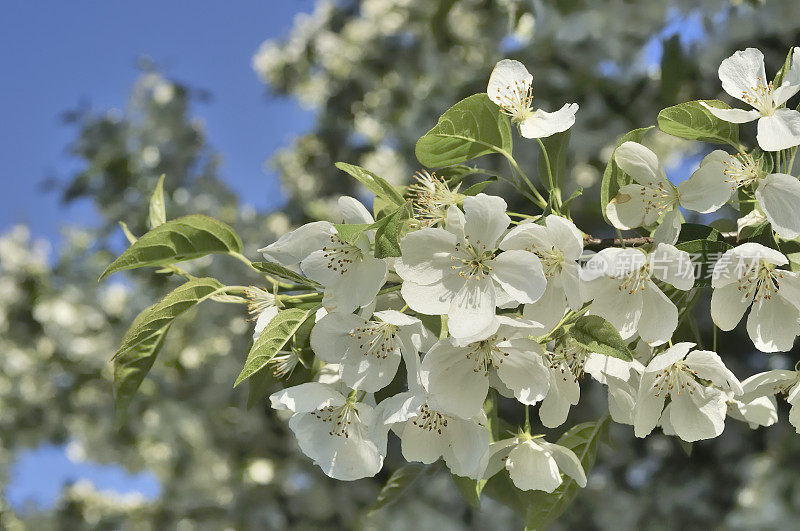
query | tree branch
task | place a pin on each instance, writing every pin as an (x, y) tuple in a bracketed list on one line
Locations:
[(597, 244)]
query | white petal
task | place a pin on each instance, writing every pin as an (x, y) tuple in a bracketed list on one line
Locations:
[(620, 308), (433, 299), (520, 274), (472, 308), (371, 373), (767, 383), (794, 413), (426, 255), (734, 116), (779, 197), (454, 382), (353, 212), (531, 467), (706, 190), (543, 124), (330, 337), (507, 78), (773, 324), (742, 71), (264, 318), (669, 227), (790, 288), (564, 393), (486, 220), (568, 462), (728, 304), (422, 444), (659, 316), (293, 247), (527, 236), (565, 235), (358, 286), (572, 285), (627, 209), (523, 371), (708, 366), (494, 458), (698, 415), (661, 361), (640, 163), (621, 400), (468, 442), (761, 411), (673, 266), (649, 405), (779, 131), (549, 309), (306, 397)]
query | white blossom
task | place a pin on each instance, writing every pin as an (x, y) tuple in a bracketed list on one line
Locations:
[(457, 270), (368, 351), (653, 198), (559, 245), (333, 430), (533, 463), (622, 379), (349, 272), (747, 275), (620, 284), (743, 77), (427, 434), (777, 382), (696, 411), (511, 87), (457, 375)]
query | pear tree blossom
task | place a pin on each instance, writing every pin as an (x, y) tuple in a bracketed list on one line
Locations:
[(440, 317), (749, 276), (511, 88), (743, 76)]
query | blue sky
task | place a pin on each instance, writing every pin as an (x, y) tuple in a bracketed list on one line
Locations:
[(56, 54)]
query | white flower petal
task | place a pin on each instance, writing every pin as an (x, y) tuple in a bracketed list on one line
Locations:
[(773, 324), (472, 308), (673, 266), (734, 116), (649, 405), (698, 415), (708, 366), (494, 458), (426, 255), (742, 71), (620, 308), (486, 220), (527, 236), (549, 309), (353, 211), (531, 467), (779, 197), (568, 462), (520, 275), (779, 131), (523, 371), (293, 247), (565, 236), (422, 444), (330, 337), (627, 209), (706, 190), (728, 304), (563, 394), (793, 398), (468, 442), (433, 299), (455, 383), (641, 164), (357, 287), (669, 227), (306, 397), (543, 124), (659, 316), (506, 80), (264, 318)]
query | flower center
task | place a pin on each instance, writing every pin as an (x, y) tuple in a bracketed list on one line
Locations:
[(659, 196), (570, 360), (487, 355), (430, 420), (552, 260), (675, 379), (516, 101), (375, 339), (431, 196), (760, 97), (741, 170), (341, 254), (472, 261), (634, 280), (761, 281), (283, 363), (341, 418), (260, 300)]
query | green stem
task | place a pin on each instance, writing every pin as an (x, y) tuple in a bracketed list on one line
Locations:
[(317, 296), (539, 199), (555, 192)]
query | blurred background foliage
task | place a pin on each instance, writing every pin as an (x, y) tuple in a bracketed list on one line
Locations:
[(377, 74)]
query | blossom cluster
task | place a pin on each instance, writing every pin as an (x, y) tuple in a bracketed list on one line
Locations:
[(506, 292)]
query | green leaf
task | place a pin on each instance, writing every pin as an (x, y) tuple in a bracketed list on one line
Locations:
[(576, 194), (144, 338), (271, 341), (470, 490), (598, 335), (613, 177), (158, 211), (399, 483), (277, 270), (692, 121), (258, 388), (390, 230), (477, 188), (695, 231), (130, 370), (471, 128), (704, 254), (378, 186), (181, 239), (787, 64), (583, 439), (349, 233), (557, 147), (161, 314), (127, 232)]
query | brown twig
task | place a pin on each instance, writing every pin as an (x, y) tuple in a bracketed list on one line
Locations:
[(596, 244)]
